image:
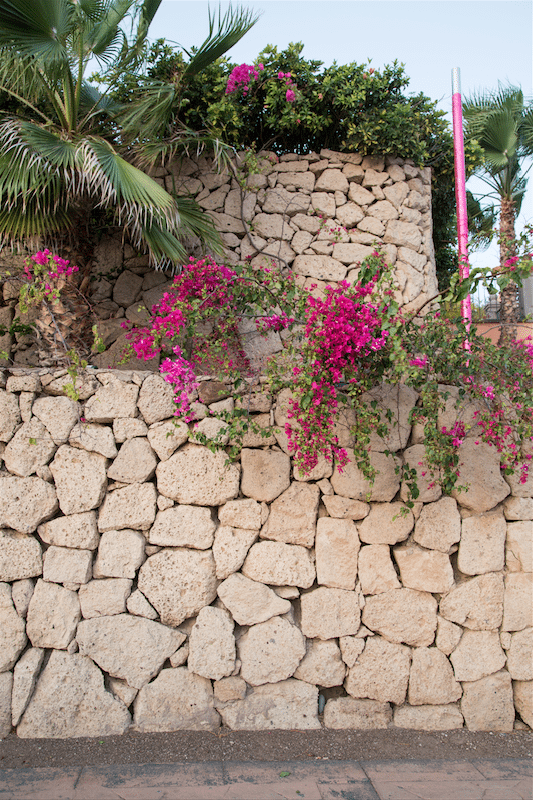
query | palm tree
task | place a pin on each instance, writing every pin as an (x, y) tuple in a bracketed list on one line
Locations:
[(64, 152), (502, 124)]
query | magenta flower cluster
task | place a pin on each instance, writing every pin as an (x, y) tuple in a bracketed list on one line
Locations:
[(241, 76), (290, 94)]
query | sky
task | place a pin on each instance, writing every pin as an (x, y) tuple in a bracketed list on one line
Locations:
[(489, 40)]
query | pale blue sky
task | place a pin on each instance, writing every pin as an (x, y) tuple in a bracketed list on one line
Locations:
[(489, 40)]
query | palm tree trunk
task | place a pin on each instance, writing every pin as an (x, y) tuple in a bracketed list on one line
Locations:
[(509, 305)]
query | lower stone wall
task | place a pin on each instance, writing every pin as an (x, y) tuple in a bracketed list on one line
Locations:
[(146, 583)]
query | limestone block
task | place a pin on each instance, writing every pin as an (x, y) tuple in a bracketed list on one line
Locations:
[(21, 592), (519, 546), (428, 717), (31, 447), (120, 554), (166, 437), (53, 615), (138, 604), (332, 180), (359, 195), (272, 226), (520, 655), (344, 507), (287, 705), (403, 234), (84, 385), (58, 414), (104, 598), (320, 267), (479, 466), (196, 476), (431, 681), (122, 691), (376, 570), (381, 672), (265, 474), (20, 556), (178, 583), (95, 438), (228, 689), (352, 483), (241, 514), (518, 489), (9, 415), (128, 428), (425, 570), (127, 647), (80, 479), (131, 507), (322, 664), (300, 180), (387, 523), (156, 400), (428, 486), (448, 635), (86, 709), (179, 658), (301, 241), (523, 700), (250, 602), (67, 565), (183, 526), (351, 649), (6, 686), (518, 601), (76, 530), (212, 644), (230, 548), (270, 651), (487, 703), (176, 700), (402, 615), (12, 630), (345, 712), (350, 253), (280, 564), (293, 515), (439, 525), (280, 201), (482, 545), (25, 677), (336, 551), (518, 508), (329, 613), (478, 654), (135, 463), (349, 215), (116, 400), (476, 604), (383, 211), (25, 503), (127, 287)]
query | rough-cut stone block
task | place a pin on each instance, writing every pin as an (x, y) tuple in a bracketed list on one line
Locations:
[(478, 654), (270, 651), (431, 681), (156, 400), (523, 700), (76, 530), (479, 466), (212, 644), (280, 564), (482, 545), (24, 679), (352, 483), (6, 686), (116, 400), (381, 672), (166, 437), (131, 507), (448, 636), (428, 717), (86, 709), (387, 523), (176, 700), (250, 602), (403, 234), (439, 525), (476, 603), (20, 556), (120, 554), (122, 691), (425, 570), (429, 489), (329, 613), (53, 615), (128, 428), (518, 508), (322, 664), (230, 548), (9, 415), (25, 503), (320, 267), (293, 514), (228, 689), (265, 474), (95, 438), (344, 507), (519, 546), (104, 598), (520, 655), (138, 604), (135, 463), (67, 565), (127, 647), (178, 583), (31, 447), (183, 526), (196, 476), (403, 615), (241, 514), (518, 601), (345, 712), (21, 592), (336, 551), (395, 402), (287, 705), (80, 479), (12, 630), (376, 570), (58, 414), (487, 704)]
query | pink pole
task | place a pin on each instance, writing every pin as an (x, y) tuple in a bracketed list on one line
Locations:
[(460, 191)]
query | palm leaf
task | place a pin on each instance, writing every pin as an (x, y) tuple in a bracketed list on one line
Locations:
[(106, 32), (230, 29), (499, 139), (36, 28)]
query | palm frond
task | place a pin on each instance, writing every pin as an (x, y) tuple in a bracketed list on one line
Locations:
[(499, 139), (223, 35), (107, 31), (194, 222), (184, 142), (148, 117), (36, 28)]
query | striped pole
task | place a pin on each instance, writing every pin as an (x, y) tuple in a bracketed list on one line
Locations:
[(460, 191)]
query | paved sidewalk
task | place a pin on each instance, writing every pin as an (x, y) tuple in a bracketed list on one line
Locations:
[(475, 779)]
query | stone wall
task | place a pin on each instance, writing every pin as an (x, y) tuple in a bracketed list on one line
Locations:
[(319, 214), (143, 582)]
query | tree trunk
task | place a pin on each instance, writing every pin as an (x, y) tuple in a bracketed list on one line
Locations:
[(509, 305)]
